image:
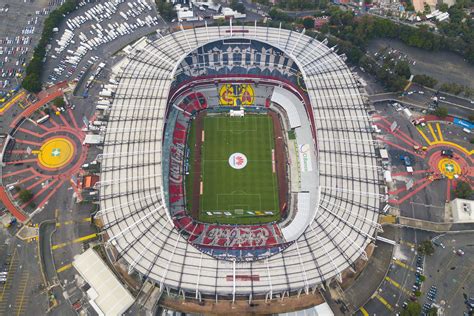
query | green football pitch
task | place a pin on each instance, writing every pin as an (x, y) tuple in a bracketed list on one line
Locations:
[(228, 195)]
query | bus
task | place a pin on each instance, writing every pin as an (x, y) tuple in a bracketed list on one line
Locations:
[(43, 119)]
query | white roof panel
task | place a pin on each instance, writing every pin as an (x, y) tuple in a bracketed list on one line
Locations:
[(109, 296)]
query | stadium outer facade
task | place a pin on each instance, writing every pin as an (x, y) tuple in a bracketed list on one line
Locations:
[(142, 235)]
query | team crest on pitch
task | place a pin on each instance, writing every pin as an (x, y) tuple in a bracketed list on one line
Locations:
[(238, 160)]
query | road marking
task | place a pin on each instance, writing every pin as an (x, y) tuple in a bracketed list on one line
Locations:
[(384, 302), (364, 311), (64, 268), (81, 239), (22, 288), (392, 219), (13, 262), (454, 145), (71, 222), (77, 240), (432, 132), (403, 265), (397, 285), (438, 127), (59, 246), (461, 284), (409, 244), (423, 135), (12, 101), (407, 86)]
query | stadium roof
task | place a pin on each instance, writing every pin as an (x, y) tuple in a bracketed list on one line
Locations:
[(132, 195)]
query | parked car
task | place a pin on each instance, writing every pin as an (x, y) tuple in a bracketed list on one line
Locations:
[(447, 153)]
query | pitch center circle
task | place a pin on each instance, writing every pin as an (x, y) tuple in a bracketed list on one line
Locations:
[(55, 153), (238, 160)]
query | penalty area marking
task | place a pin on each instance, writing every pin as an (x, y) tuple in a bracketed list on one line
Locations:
[(237, 194)]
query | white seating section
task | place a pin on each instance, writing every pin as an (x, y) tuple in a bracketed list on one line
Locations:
[(132, 200)]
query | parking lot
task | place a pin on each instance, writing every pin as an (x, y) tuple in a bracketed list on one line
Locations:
[(95, 31), (451, 272), (21, 290), (20, 30), (444, 279)]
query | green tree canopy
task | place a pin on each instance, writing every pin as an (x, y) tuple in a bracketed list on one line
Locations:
[(413, 309), (166, 10), (34, 70), (441, 112), (403, 69), (443, 7), (308, 23), (25, 195), (59, 102), (426, 247), (433, 311), (425, 80), (463, 190), (32, 82), (237, 6)]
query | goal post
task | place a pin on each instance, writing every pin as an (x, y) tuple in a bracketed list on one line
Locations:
[(237, 113)]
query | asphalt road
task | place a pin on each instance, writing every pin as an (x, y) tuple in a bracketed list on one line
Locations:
[(22, 293), (452, 274), (397, 286), (456, 106)]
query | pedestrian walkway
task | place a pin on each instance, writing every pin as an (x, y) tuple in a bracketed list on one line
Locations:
[(15, 211)]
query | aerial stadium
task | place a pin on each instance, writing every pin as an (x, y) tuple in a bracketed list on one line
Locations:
[(238, 165)]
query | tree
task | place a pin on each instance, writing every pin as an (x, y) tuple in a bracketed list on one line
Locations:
[(441, 112), (413, 309), (32, 82), (426, 247), (308, 23), (443, 7), (425, 80), (32, 79), (403, 69), (433, 311), (463, 190), (427, 9), (25, 195), (237, 6), (59, 102), (453, 88), (166, 10), (278, 15)]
